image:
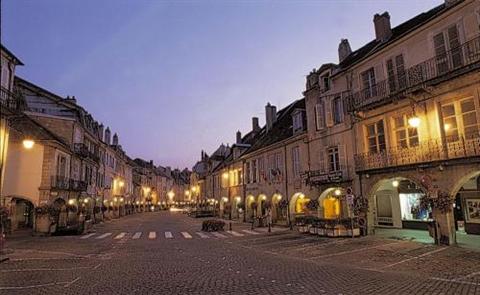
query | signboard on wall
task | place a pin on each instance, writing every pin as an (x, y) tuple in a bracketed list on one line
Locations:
[(318, 177)]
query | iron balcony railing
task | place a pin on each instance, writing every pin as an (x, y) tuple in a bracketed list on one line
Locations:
[(82, 150), (456, 61), (60, 182), (9, 100), (454, 147), (77, 185)]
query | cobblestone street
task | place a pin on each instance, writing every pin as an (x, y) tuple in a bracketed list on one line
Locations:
[(165, 253)]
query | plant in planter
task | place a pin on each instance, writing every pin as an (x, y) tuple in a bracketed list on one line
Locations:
[(283, 204), (441, 201), (72, 208), (211, 225), (45, 216), (312, 205)]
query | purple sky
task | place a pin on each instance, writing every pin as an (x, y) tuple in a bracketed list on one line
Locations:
[(176, 77)]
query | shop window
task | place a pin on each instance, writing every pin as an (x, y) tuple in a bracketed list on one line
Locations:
[(331, 207), (410, 207), (406, 136), (376, 137)]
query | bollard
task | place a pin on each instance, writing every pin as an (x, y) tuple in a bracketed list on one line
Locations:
[(269, 227), (230, 226)]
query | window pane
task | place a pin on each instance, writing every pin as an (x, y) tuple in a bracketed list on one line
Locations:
[(401, 134), (380, 127), (467, 105), (399, 122), (448, 110), (470, 119)]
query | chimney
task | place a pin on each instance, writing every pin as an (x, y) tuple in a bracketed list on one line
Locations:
[(100, 131), (383, 29), (255, 125), (449, 3), (271, 115), (115, 139), (344, 50), (239, 137), (107, 136)]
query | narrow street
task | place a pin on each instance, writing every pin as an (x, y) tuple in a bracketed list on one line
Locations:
[(166, 253)]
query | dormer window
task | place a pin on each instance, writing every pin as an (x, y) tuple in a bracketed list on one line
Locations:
[(325, 80), (297, 118)]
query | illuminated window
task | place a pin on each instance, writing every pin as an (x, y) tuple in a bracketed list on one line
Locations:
[(460, 119), (406, 136)]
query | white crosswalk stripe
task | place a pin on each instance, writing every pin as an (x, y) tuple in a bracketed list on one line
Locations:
[(87, 236), (152, 235), (168, 235), (137, 236), (202, 235), (103, 236), (251, 232), (120, 236), (186, 235), (219, 235), (234, 233)]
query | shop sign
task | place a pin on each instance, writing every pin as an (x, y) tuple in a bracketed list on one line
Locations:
[(350, 200), (320, 177)]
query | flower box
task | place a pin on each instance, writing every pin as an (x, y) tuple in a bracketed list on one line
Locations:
[(322, 232), (356, 232), (313, 230)]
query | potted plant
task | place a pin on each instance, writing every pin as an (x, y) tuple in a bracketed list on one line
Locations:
[(45, 216)]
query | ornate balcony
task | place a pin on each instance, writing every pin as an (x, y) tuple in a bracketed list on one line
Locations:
[(426, 152), (59, 182), (82, 150), (455, 62), (10, 101), (77, 185)]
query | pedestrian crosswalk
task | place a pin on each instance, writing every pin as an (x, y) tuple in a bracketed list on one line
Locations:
[(152, 235)]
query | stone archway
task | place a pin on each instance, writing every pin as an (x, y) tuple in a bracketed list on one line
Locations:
[(261, 201), (331, 204), (298, 204), (395, 203), (249, 211), (278, 214), (61, 205), (466, 211), (21, 213)]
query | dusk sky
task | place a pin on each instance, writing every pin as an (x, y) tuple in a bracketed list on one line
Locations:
[(175, 77)]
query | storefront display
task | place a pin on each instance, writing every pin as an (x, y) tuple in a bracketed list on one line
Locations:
[(473, 210), (410, 208)]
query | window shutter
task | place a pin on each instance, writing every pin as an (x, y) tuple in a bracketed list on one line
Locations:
[(454, 43), (342, 156), (319, 116), (328, 113), (322, 160), (439, 44)]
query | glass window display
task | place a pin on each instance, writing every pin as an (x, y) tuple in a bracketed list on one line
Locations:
[(410, 207)]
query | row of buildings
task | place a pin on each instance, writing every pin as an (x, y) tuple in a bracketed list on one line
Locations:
[(54, 154), (390, 133)]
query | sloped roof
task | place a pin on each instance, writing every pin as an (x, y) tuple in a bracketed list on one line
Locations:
[(397, 32), (281, 129)]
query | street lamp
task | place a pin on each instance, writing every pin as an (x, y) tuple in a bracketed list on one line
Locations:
[(28, 143)]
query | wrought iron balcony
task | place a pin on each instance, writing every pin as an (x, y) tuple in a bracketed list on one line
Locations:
[(456, 147), (82, 150), (457, 61), (10, 101), (60, 182), (77, 185)]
